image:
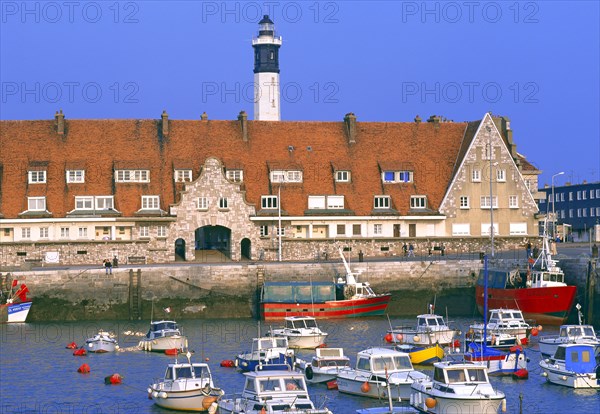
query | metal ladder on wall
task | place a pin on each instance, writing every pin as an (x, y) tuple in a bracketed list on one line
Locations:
[(135, 291)]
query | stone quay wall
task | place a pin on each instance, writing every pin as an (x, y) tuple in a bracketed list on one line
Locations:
[(232, 290)]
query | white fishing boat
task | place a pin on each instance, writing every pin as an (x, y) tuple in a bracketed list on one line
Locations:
[(573, 365), (101, 342), (507, 326), (324, 366), (569, 334), (267, 353), (14, 304), (301, 332), (186, 386), (376, 369), (275, 392), (163, 335), (430, 329), (457, 387)]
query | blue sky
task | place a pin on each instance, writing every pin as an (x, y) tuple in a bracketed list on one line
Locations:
[(536, 62)]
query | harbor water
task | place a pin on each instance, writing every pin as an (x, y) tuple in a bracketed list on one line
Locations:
[(39, 375)]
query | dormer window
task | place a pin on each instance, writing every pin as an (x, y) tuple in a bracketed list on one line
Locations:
[(391, 177), (181, 176), (342, 176), (382, 202), (418, 202), (37, 176), (269, 202), (75, 176), (235, 176), (331, 202), (36, 203), (132, 176), (286, 176)]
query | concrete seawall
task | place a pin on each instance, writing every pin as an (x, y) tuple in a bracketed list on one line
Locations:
[(231, 290)]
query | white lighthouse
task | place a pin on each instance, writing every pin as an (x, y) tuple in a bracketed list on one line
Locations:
[(266, 72)]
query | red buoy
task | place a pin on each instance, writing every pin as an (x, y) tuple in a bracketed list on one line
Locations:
[(534, 331), (389, 338), (113, 379), (228, 363), (80, 352), (366, 387), (72, 345), (172, 351), (521, 374), (524, 341), (456, 343), (84, 369), (332, 385)]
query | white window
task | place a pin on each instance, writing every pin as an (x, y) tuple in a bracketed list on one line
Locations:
[(335, 202), (132, 176), (485, 229), (43, 232), (570, 213), (377, 229), (513, 201), (64, 232), (316, 202), (598, 193), (476, 176), (578, 212), (592, 212), (418, 201), (223, 203), (37, 177), (150, 202), (485, 201), (591, 194), (84, 203), (597, 211), (501, 175), (280, 231), (181, 176), (104, 203), (144, 231), (382, 201), (556, 198), (397, 176), (562, 196), (281, 176), (518, 229), (584, 212), (342, 176), (570, 195), (268, 202), (236, 176), (578, 195), (264, 231), (75, 176), (461, 229), (82, 232), (26, 233), (464, 201), (36, 203), (202, 203), (584, 195), (161, 231)]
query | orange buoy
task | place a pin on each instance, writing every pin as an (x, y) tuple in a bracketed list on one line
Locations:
[(539, 328), (534, 331), (80, 352), (430, 402), (389, 338), (365, 387), (84, 369), (72, 345), (228, 363), (263, 411), (172, 351), (207, 402), (113, 379), (399, 337)]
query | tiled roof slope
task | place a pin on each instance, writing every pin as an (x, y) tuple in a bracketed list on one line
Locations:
[(429, 150)]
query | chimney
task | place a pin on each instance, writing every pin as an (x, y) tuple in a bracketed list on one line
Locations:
[(435, 120), (350, 121), (165, 123), (203, 117), (59, 118), (243, 119), (418, 119)]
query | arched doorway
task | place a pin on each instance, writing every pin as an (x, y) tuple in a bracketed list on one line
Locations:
[(179, 249), (213, 243), (245, 249)]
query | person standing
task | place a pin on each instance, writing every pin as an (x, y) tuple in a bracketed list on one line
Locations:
[(411, 250), (405, 249), (108, 266), (528, 249)]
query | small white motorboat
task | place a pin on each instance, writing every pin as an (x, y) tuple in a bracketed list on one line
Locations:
[(101, 342), (266, 351), (457, 387), (324, 366), (301, 332), (569, 334), (377, 370), (163, 335), (430, 329), (505, 328), (573, 365), (275, 392), (186, 386)]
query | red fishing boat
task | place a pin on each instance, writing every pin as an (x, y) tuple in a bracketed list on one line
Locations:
[(540, 291), (14, 304), (342, 299)]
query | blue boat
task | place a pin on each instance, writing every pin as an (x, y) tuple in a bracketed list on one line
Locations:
[(573, 365), (266, 352)]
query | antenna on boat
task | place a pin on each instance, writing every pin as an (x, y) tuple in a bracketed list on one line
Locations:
[(579, 315)]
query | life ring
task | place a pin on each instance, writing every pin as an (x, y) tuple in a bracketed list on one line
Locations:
[(308, 371)]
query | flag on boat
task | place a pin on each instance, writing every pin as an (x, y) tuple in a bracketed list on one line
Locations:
[(168, 309), (531, 261)]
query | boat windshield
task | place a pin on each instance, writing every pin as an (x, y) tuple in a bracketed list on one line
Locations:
[(294, 384), (269, 384), (456, 375), (281, 343), (310, 323), (588, 331), (164, 326), (422, 322), (391, 363), (476, 375), (330, 363), (440, 321)]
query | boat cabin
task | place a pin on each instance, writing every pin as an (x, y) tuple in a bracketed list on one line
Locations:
[(330, 357), (507, 318), (577, 332), (579, 358), (270, 342), (460, 373), (279, 386), (380, 360), (300, 322), (163, 328), (430, 322), (547, 278), (180, 371)]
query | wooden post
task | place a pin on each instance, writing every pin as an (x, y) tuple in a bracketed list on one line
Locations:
[(591, 290)]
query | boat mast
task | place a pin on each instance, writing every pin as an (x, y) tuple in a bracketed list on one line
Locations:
[(485, 302)]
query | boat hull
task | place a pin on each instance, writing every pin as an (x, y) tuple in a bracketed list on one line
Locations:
[(306, 342), (375, 389), (14, 312), (164, 343), (460, 404), (350, 308), (501, 365), (546, 305), (190, 400), (424, 355), (100, 347), (568, 378)]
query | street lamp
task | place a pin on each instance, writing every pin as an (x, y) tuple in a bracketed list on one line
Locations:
[(553, 211)]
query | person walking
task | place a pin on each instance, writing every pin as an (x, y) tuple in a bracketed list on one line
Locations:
[(405, 249), (411, 250)]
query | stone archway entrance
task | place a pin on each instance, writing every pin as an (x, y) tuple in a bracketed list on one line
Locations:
[(179, 249), (245, 249), (212, 243)]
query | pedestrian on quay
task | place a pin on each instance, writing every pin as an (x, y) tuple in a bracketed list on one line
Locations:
[(411, 250), (528, 249), (108, 266), (405, 249)]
